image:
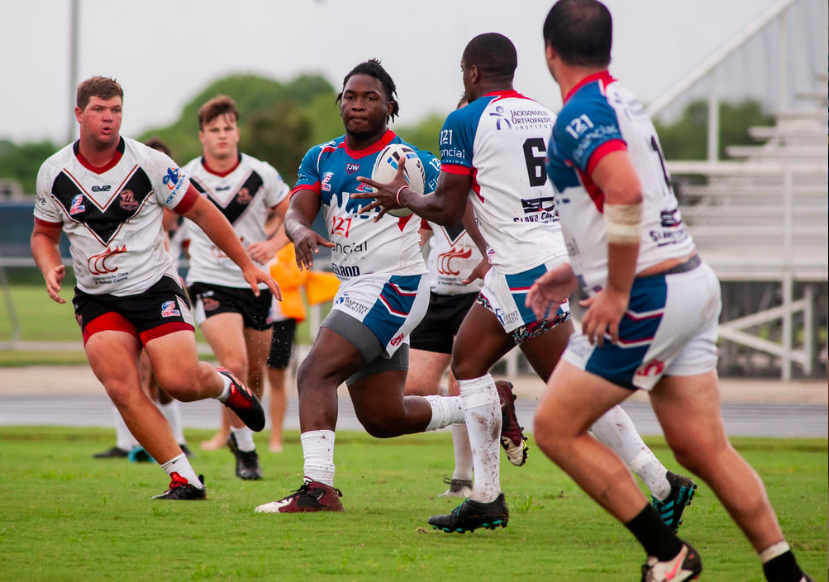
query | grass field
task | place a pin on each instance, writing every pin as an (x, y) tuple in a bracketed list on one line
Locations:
[(66, 516)]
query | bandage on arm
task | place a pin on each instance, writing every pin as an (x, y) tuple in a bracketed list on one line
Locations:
[(623, 223)]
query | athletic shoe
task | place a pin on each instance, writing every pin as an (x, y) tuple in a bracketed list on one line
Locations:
[(671, 508), (181, 489), (244, 402), (457, 488), (113, 453), (139, 454), (470, 515), (312, 496), (512, 439), (247, 462), (686, 565), (186, 450)]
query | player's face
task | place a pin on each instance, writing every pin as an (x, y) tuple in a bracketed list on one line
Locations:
[(469, 78), (100, 121), (552, 60), (220, 137), (364, 107)]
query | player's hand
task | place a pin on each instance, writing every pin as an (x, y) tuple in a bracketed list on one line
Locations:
[(479, 272), (53, 280), (254, 275), (262, 252), (306, 244), (385, 195), (551, 290), (605, 311)]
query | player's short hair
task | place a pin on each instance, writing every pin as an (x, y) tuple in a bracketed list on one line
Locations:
[(219, 105), (493, 54), (373, 68), (156, 143), (581, 32), (100, 87)]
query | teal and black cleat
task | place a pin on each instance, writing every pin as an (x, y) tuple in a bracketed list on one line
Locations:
[(672, 507), (470, 515)]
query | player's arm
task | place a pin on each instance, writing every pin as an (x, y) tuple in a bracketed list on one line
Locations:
[(471, 226), (46, 252), (616, 176), (218, 229), (303, 209), (444, 206), (264, 251)]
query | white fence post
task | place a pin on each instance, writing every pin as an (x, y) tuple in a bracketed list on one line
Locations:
[(713, 116)]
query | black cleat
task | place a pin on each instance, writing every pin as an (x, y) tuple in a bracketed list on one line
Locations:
[(181, 489), (247, 462), (113, 453), (470, 515), (187, 452), (670, 509), (244, 403)]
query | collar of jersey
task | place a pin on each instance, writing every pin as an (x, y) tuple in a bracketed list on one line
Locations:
[(372, 149), (119, 152), (221, 174), (603, 76), (504, 94)]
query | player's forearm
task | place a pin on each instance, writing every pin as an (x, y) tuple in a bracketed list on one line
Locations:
[(45, 252), (471, 226), (432, 207), (295, 221), (621, 266)]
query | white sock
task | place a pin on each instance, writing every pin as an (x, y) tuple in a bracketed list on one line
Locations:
[(482, 409), (463, 453), (318, 449), (616, 430), (244, 438), (124, 439), (172, 412), (226, 391), (446, 410), (773, 551), (182, 466)]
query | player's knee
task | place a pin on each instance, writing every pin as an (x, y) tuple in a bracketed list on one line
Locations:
[(465, 369), (381, 428), (121, 393), (694, 456), (180, 384), (548, 434)]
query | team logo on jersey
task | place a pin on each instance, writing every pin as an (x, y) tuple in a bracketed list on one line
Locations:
[(243, 196), (210, 304), (547, 204), (168, 309), (670, 219), (363, 187), (77, 205), (104, 188), (326, 178), (396, 341), (172, 178), (127, 201), (97, 264), (351, 167), (445, 261), (499, 115), (222, 188)]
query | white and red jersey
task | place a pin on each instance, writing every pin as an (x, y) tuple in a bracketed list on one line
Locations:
[(113, 215), (600, 116), (452, 257), (245, 195), (500, 139)]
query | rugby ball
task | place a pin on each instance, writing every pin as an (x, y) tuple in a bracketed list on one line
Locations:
[(386, 165)]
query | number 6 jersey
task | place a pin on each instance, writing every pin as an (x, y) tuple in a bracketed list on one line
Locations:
[(500, 140)]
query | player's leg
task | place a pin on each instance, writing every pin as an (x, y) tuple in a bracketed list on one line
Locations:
[(279, 359), (426, 370), (171, 410), (688, 408)]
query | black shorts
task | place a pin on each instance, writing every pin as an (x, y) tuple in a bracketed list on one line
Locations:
[(209, 300), (161, 309), (437, 331), (282, 344)]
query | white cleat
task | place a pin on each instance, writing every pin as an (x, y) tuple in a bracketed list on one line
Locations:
[(686, 565)]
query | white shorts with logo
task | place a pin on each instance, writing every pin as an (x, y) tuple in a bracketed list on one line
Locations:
[(669, 329), (391, 306), (505, 296)]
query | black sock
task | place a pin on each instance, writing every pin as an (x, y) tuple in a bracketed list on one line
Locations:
[(657, 539), (783, 568)]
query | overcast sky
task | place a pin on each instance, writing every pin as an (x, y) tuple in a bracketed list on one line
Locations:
[(163, 52)]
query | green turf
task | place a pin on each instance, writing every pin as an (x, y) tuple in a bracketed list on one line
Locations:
[(65, 516)]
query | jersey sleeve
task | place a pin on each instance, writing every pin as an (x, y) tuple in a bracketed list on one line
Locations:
[(276, 190), (46, 210), (585, 132), (456, 140), (431, 164), (171, 185), (308, 175)]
